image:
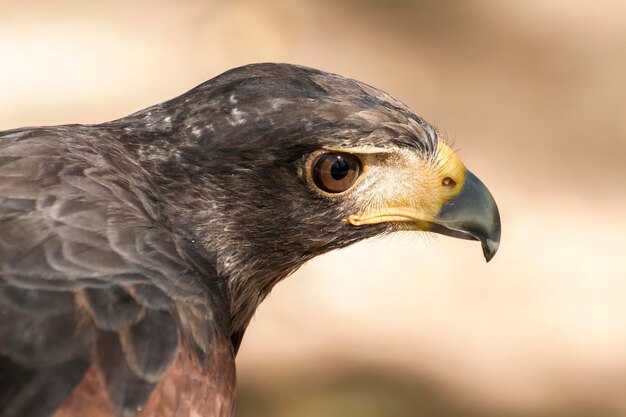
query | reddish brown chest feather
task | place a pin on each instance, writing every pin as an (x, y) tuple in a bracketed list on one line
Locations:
[(187, 390)]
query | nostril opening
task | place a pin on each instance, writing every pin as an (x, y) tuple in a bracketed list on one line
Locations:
[(448, 182)]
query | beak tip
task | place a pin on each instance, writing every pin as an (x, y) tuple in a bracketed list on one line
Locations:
[(490, 247)]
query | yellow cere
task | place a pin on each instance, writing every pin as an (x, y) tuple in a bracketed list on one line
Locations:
[(449, 166)]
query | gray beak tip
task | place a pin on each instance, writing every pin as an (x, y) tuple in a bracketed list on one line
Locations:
[(490, 248)]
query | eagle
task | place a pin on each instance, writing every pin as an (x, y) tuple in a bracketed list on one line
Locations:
[(133, 253)]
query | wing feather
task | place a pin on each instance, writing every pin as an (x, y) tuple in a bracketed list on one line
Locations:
[(147, 359), (89, 280)]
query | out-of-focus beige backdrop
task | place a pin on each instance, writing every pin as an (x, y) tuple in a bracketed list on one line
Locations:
[(532, 94)]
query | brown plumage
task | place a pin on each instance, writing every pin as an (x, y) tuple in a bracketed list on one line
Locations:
[(134, 253)]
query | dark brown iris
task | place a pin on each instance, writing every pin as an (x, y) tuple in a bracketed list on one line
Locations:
[(336, 172)]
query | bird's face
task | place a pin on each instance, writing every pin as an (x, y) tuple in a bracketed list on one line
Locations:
[(407, 190)]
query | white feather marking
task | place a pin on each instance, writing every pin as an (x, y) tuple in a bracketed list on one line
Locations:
[(238, 118)]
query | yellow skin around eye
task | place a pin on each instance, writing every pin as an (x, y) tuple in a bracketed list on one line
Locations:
[(418, 191), (406, 186)]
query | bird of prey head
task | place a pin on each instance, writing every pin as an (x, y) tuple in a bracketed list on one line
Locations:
[(168, 227)]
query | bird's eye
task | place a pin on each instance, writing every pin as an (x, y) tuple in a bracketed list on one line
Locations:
[(336, 172)]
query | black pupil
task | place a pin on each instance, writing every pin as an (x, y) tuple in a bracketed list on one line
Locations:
[(339, 169)]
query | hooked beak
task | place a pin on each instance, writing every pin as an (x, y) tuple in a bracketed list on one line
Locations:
[(441, 196), (471, 214)]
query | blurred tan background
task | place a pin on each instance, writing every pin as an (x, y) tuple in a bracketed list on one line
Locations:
[(532, 94)]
